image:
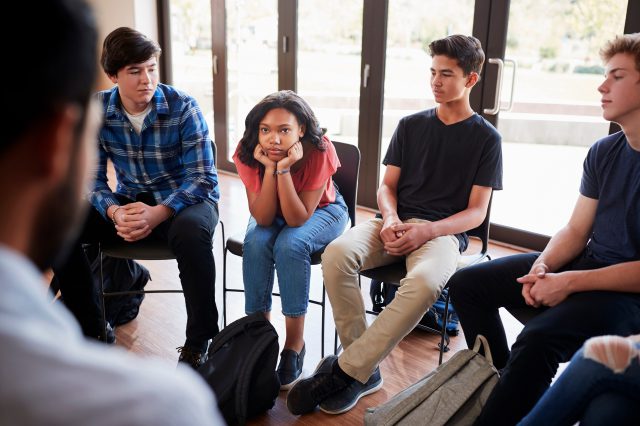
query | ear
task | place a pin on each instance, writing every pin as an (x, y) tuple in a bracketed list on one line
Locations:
[(472, 79), (55, 143), (302, 130), (113, 78)]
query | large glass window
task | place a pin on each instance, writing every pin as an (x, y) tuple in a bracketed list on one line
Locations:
[(412, 25), (556, 112), (191, 52), (252, 68), (328, 74)]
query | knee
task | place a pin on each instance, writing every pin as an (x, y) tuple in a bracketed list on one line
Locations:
[(462, 284), (188, 232), (257, 239), (290, 245), (336, 256), (422, 291)]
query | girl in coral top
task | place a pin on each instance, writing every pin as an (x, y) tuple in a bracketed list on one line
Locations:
[(286, 164)]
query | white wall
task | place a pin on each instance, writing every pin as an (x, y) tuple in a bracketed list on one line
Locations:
[(111, 14)]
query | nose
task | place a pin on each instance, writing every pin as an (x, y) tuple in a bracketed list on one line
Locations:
[(603, 87), (144, 76), (276, 139)]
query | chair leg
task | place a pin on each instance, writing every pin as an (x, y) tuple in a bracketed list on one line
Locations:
[(224, 276), (443, 332), (224, 285), (323, 305), (102, 296)]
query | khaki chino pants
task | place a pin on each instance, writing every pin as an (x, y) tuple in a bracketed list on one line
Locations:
[(428, 270)]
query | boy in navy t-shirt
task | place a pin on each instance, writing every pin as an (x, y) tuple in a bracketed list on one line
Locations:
[(587, 280)]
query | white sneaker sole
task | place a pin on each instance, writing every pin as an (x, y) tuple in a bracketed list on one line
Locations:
[(353, 404)]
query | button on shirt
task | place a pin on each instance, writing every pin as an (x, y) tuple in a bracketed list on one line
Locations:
[(172, 157)]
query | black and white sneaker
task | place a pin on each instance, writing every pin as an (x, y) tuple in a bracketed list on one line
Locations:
[(347, 398), (305, 395)]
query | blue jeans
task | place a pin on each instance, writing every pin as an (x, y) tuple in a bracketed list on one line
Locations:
[(584, 383), (287, 250)]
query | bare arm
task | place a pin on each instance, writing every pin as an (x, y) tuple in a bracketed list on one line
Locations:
[(263, 205), (543, 287), (388, 203), (414, 235), (297, 208)]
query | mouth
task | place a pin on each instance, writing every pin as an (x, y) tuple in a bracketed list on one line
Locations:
[(604, 102), (276, 152)]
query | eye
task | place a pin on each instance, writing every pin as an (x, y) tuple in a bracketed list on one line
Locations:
[(264, 130), (285, 131)]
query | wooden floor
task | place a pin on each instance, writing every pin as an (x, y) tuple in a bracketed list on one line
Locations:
[(159, 328)]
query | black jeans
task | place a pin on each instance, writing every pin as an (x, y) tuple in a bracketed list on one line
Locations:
[(189, 235), (551, 337)]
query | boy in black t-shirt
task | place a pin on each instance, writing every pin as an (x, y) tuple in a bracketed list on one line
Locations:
[(587, 280), (442, 165)]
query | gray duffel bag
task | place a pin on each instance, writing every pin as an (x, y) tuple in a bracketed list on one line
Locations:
[(452, 394)]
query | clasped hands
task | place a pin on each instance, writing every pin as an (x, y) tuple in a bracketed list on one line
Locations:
[(135, 221), (400, 238), (542, 288)]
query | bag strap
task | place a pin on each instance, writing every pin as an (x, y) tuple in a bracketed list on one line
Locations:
[(482, 341)]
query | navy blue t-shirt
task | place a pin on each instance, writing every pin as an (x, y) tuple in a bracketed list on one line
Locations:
[(612, 176), (439, 164)]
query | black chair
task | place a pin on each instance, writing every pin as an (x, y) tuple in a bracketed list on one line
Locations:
[(140, 250), (395, 272), (346, 178)]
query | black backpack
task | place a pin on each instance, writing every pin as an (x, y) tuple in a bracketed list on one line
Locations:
[(383, 293), (241, 368)]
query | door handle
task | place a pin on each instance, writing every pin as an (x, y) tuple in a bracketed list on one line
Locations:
[(496, 101), (513, 83)]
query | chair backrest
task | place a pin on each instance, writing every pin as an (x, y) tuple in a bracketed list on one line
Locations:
[(347, 175), (482, 231)]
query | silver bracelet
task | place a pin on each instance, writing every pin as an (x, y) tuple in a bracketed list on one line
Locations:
[(280, 172), (113, 215)]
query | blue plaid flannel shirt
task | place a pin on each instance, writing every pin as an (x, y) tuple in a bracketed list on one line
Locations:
[(172, 157)]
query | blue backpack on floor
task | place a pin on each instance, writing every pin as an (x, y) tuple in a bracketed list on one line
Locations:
[(383, 293)]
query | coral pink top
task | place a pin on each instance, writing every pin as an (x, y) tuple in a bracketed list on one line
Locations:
[(318, 168)]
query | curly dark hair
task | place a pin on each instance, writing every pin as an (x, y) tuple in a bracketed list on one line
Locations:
[(293, 103)]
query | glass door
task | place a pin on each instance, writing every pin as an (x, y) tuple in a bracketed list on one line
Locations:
[(551, 110), (328, 74), (411, 26)]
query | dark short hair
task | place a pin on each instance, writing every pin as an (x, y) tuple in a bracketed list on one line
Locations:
[(628, 43), (293, 103), (125, 46), (38, 82), (467, 50)]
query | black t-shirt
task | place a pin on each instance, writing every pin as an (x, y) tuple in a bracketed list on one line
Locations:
[(611, 175), (440, 163)]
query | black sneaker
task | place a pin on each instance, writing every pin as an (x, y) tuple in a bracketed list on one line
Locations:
[(111, 335), (305, 395), (346, 399), (192, 357), (290, 367)]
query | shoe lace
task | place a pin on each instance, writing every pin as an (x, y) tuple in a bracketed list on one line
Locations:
[(189, 355), (328, 386)]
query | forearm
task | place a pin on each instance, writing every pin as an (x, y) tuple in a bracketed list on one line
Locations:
[(387, 202), (623, 277), (264, 206), (293, 209), (565, 246), (460, 222)]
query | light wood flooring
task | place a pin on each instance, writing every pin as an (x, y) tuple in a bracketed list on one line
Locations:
[(159, 328)]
